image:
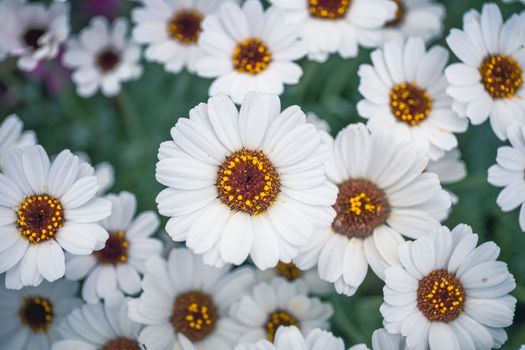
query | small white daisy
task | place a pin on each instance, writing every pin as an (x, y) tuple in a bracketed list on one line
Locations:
[(318, 122), (34, 32), (449, 169), (404, 92), (489, 81), (185, 303), (269, 306), (421, 18), (338, 26), (171, 29), (449, 294), (245, 183), (102, 57), (508, 173), (118, 265), (99, 326), (46, 207), (249, 49), (12, 135), (290, 338), (383, 193), (29, 318)]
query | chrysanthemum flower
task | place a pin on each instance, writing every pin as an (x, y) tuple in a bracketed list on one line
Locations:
[(99, 326), (449, 169), (338, 26), (508, 173), (269, 306), (118, 265), (29, 318), (489, 81), (290, 338), (383, 193), (422, 18), (171, 29), (404, 91), (185, 303), (46, 207), (448, 293), (12, 135), (245, 183), (249, 49), (102, 57), (34, 32)]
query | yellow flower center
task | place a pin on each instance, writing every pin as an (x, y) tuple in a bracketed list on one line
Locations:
[(328, 9), (440, 296), (36, 313), (121, 344), (185, 26), (501, 76), (115, 251), (194, 315), (277, 319), (251, 56), (409, 103), (39, 218), (288, 271)]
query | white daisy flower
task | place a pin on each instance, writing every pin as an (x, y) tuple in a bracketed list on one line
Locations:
[(291, 273), (449, 169), (34, 32), (318, 122), (404, 92), (171, 29), (12, 135), (338, 26), (508, 173), (249, 49), (448, 294), (99, 326), (290, 338), (185, 303), (269, 306), (383, 193), (102, 57), (29, 318), (245, 183), (118, 265), (46, 207), (489, 81), (417, 18)]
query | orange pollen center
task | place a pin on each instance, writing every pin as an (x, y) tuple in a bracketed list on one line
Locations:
[(501, 76), (328, 9), (440, 296), (277, 319), (115, 251), (37, 313), (39, 218), (409, 103), (185, 26), (194, 315), (288, 271), (251, 56)]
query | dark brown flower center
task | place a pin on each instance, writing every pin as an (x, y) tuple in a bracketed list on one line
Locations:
[(115, 251), (185, 26), (277, 319), (194, 315), (37, 313), (288, 271), (328, 9), (360, 207), (32, 36), (400, 14), (501, 76), (248, 182), (409, 103), (121, 344), (107, 60), (40, 217), (251, 56), (440, 296)]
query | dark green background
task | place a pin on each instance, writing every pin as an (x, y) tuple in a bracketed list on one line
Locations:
[(127, 130)]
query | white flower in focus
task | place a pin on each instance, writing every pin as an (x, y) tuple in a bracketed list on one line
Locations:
[(249, 49), (290, 338), (338, 26), (12, 135), (46, 207), (184, 303), (383, 193), (102, 57), (405, 93), (171, 29), (508, 173), (30, 317), (245, 183), (269, 306), (34, 31), (449, 294), (118, 265), (489, 80)]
